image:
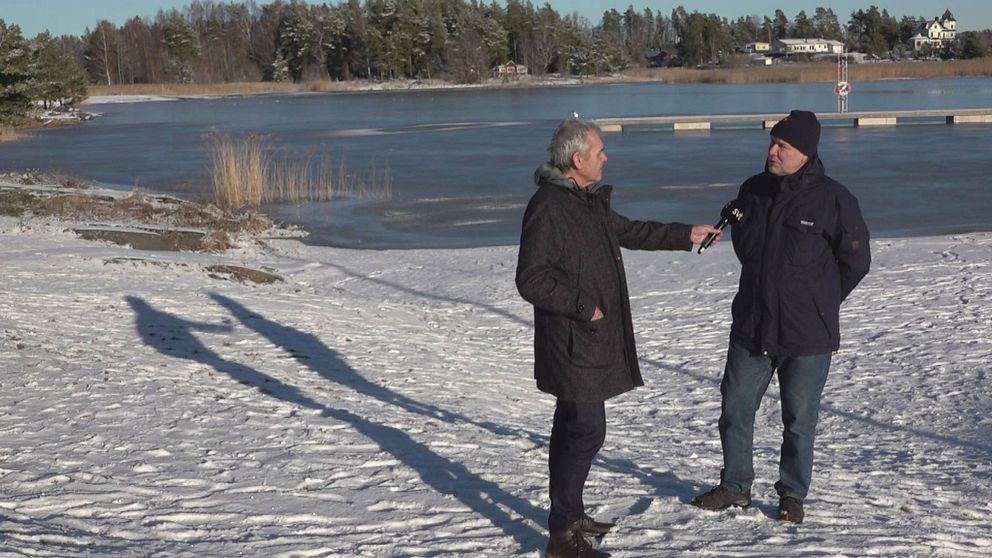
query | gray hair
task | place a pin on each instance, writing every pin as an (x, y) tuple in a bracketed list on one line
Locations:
[(570, 137)]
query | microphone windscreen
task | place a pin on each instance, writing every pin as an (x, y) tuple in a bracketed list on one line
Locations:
[(733, 212)]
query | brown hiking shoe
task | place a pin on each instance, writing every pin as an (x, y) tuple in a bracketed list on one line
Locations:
[(790, 509), (721, 498), (590, 526), (571, 543)]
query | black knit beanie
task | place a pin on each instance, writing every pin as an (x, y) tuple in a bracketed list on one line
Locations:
[(801, 129)]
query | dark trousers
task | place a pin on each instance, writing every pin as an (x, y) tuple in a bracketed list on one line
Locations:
[(577, 435)]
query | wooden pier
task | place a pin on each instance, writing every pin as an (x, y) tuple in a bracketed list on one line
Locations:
[(862, 119)]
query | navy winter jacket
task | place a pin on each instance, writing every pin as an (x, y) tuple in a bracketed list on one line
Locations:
[(803, 247)]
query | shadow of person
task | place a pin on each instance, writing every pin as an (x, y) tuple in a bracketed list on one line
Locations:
[(174, 337), (311, 352), (399, 287)]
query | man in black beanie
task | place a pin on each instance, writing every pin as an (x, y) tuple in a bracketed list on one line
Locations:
[(803, 247)]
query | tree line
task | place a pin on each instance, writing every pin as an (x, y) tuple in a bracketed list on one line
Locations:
[(43, 70), (458, 40)]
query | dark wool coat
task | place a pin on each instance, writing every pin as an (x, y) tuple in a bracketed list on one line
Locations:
[(803, 246), (570, 263)]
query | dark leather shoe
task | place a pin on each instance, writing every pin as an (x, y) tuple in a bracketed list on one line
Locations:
[(721, 498), (590, 526), (790, 509), (572, 543)]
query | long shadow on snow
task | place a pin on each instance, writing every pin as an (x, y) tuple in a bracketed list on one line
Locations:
[(310, 351), (665, 483), (174, 337), (421, 294), (980, 448)]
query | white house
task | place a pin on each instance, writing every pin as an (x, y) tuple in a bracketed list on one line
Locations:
[(786, 47), (935, 34)]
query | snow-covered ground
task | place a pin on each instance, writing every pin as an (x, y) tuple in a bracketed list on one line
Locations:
[(118, 99), (381, 404)]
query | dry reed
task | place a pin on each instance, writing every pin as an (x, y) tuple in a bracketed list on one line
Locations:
[(190, 89), (240, 170), (8, 133), (249, 172), (817, 72)]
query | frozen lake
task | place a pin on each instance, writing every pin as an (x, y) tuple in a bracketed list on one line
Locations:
[(462, 160)]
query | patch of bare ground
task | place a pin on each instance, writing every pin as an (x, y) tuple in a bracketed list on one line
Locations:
[(138, 220)]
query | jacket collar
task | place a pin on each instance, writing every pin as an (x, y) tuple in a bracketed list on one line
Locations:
[(803, 178), (549, 175)]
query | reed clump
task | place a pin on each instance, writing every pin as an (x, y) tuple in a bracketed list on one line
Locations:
[(194, 89), (248, 171), (240, 169), (9, 133)]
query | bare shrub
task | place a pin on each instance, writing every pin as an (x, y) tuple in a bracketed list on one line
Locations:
[(75, 206), (14, 203), (215, 242), (136, 206), (69, 181)]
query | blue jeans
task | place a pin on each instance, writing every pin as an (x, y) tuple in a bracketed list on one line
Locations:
[(745, 380), (577, 435)]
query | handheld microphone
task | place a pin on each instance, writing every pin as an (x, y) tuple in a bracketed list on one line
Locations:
[(731, 214)]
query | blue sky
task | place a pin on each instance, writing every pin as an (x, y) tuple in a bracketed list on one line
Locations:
[(74, 16)]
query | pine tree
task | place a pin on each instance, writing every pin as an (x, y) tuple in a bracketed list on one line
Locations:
[(58, 77), (345, 42), (181, 45), (295, 40), (971, 45), (16, 81)]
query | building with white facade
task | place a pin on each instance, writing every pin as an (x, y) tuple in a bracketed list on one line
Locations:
[(935, 34), (788, 47)]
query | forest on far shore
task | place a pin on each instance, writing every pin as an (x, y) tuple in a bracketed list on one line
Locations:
[(455, 40)]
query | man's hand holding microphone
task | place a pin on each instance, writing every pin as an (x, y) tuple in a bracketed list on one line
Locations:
[(731, 214)]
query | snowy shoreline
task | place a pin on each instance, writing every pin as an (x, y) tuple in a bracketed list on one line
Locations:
[(362, 87), (381, 404)]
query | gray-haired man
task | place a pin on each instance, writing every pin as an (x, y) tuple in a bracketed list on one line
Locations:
[(570, 268)]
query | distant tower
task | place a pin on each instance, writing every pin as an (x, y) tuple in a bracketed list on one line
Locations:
[(843, 86)]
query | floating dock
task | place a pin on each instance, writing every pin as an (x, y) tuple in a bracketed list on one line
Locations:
[(862, 119)]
